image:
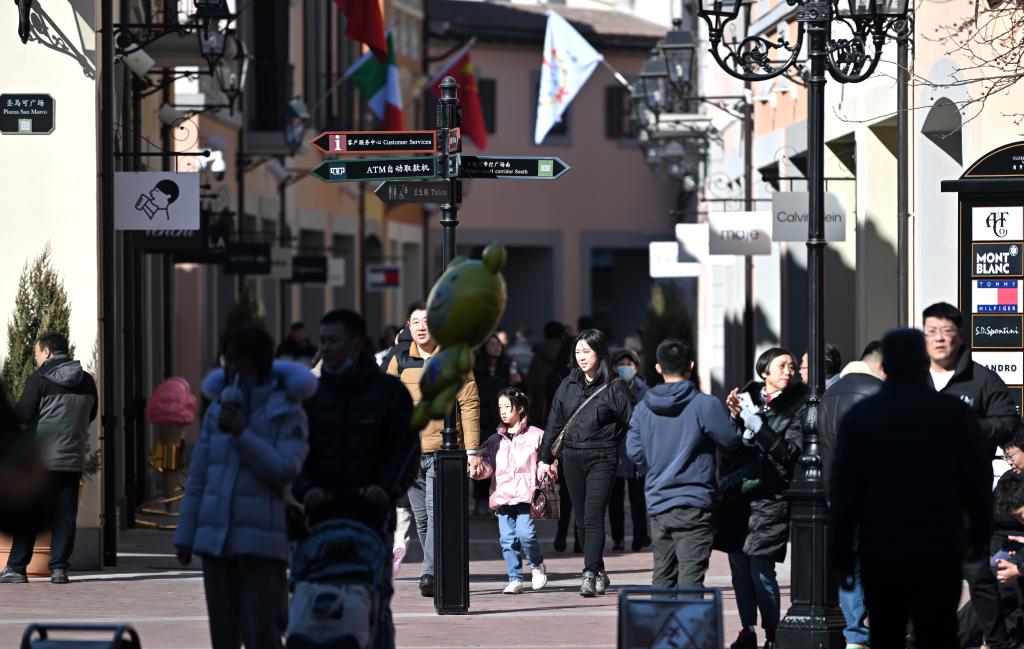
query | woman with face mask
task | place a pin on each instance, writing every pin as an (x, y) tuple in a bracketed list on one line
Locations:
[(592, 406), (627, 366), (752, 522)]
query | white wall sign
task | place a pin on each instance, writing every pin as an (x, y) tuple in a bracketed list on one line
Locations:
[(740, 233), (790, 214), (1008, 365), (335, 271), (664, 261), (997, 223), (156, 200)]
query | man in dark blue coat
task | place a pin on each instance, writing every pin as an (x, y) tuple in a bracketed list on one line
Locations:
[(673, 435)]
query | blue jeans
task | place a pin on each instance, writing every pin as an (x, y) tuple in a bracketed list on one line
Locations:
[(517, 532), (755, 585), (855, 612)]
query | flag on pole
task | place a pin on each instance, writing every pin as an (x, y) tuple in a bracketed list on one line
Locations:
[(365, 24), (461, 69), (568, 62), (378, 83)]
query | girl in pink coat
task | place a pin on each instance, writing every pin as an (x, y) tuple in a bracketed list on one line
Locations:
[(511, 458)]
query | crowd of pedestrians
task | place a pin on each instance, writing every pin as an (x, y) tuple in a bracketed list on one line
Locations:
[(317, 469)]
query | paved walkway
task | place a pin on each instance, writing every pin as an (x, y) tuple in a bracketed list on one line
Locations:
[(165, 603)]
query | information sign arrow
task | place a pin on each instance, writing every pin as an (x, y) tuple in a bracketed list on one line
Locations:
[(359, 142), (397, 191)]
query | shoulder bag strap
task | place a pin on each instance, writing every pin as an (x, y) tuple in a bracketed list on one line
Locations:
[(557, 444)]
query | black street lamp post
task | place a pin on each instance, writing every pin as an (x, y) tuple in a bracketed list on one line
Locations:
[(451, 519), (814, 619)]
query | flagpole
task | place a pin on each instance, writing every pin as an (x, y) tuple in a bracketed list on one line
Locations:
[(615, 73)]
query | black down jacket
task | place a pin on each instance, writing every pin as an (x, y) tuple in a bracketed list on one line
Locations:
[(601, 424), (359, 436), (753, 515), (844, 394)]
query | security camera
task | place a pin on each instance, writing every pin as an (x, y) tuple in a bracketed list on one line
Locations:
[(278, 171), (169, 115), (139, 62), (298, 109)]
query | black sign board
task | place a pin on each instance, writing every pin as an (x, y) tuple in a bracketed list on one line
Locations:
[(513, 167), (376, 142), (997, 259), (27, 114), (997, 331), (212, 249), (398, 191), (247, 259), (309, 269), (339, 171)]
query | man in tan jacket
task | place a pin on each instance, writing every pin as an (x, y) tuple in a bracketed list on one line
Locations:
[(407, 365)]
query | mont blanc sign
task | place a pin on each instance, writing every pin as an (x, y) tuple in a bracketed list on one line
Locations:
[(790, 214)]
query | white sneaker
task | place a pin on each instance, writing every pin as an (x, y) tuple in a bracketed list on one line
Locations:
[(540, 577), (513, 588)]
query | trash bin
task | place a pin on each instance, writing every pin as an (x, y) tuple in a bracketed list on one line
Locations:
[(99, 636)]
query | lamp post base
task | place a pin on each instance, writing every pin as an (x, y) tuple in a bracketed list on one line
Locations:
[(451, 533), (811, 630)]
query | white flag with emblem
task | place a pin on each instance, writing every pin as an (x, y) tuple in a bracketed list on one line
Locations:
[(568, 62)]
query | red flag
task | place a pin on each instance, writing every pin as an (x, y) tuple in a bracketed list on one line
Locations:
[(365, 24), (461, 68)]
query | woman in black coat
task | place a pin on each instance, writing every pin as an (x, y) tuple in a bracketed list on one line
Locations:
[(753, 518), (589, 453)]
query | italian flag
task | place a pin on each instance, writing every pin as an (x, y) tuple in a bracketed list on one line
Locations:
[(378, 83)]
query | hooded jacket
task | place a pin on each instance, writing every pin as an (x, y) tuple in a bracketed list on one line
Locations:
[(672, 438), (987, 396), (234, 501), (754, 516), (359, 436), (511, 457), (600, 425), (627, 468), (58, 403)]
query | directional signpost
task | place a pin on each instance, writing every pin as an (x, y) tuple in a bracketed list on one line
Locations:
[(408, 180), (339, 171), (512, 167)]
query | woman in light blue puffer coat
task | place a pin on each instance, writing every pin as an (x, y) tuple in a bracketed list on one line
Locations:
[(252, 445)]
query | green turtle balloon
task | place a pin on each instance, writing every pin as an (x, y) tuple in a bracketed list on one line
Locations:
[(463, 310)]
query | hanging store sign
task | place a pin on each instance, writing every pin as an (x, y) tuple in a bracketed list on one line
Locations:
[(996, 331), (740, 233), (790, 214), (156, 200)]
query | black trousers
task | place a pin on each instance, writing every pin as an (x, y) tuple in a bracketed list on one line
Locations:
[(247, 601), (637, 509), (565, 510), (589, 474), (993, 603), (64, 496), (926, 595), (682, 539)]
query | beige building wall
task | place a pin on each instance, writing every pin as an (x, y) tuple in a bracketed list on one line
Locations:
[(50, 198)]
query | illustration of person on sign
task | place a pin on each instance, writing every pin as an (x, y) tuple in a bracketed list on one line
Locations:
[(156, 202)]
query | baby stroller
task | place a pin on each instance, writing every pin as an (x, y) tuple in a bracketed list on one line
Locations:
[(341, 583)]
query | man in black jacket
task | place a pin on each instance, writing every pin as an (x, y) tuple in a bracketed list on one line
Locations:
[(953, 372), (858, 380), (58, 403), (889, 508), (362, 453)]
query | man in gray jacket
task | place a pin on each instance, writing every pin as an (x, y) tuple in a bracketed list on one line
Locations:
[(58, 404)]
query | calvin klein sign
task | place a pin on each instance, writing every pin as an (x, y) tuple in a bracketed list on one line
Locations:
[(790, 215)]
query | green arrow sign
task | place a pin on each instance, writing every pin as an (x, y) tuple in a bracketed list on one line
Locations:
[(339, 171), (513, 167)]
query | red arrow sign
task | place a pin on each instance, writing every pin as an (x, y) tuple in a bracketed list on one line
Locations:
[(360, 142)]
